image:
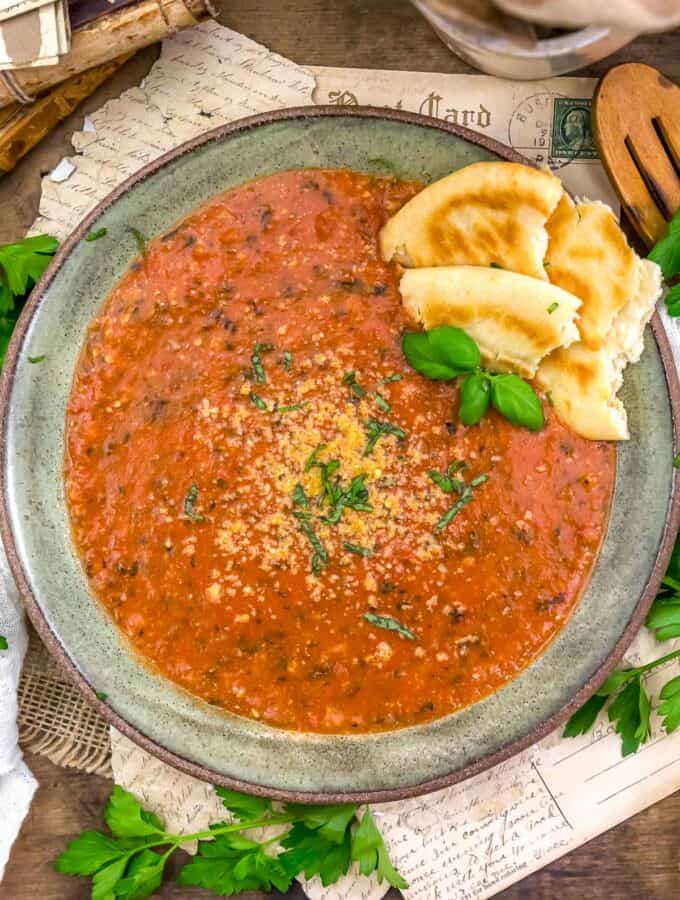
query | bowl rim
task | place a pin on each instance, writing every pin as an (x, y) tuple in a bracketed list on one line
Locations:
[(57, 649)]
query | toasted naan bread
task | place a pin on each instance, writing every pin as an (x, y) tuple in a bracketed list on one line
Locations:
[(515, 320), (582, 383), (589, 256), (488, 212)]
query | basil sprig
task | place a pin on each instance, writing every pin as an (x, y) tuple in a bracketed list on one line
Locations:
[(445, 353)]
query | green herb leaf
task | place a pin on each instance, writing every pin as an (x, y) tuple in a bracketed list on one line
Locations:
[(88, 853), (287, 360), (142, 878), (106, 880), (515, 399), (389, 624), (231, 864), (451, 513), (673, 299), (299, 497), (584, 717), (442, 353), (190, 504), (670, 707), (243, 806), (667, 251), (630, 713), (388, 379), (256, 362), (320, 555), (381, 403), (126, 818), (314, 456), (553, 306), (350, 379), (676, 461), (96, 235), (369, 851), (257, 401), (100, 695), (140, 240), (4, 645), (36, 359), (375, 429), (475, 394), (307, 851), (331, 821), (357, 549), (292, 408)]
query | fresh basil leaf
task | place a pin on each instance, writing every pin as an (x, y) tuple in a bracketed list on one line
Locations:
[(673, 300), (442, 353), (475, 394), (666, 252), (456, 346), (517, 401)]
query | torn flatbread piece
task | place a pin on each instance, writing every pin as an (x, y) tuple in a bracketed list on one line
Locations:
[(485, 213), (514, 319), (589, 256), (582, 384)]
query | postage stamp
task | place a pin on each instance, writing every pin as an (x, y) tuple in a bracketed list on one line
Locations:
[(572, 133)]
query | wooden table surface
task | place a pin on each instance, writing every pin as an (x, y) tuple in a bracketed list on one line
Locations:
[(638, 859)]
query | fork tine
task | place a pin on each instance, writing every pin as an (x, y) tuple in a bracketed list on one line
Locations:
[(657, 170), (670, 132)]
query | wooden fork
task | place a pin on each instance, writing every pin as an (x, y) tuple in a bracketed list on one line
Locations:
[(636, 124)]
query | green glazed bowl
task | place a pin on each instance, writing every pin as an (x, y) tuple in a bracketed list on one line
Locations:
[(185, 732)]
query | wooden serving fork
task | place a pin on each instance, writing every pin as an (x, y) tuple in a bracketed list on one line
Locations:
[(636, 124)]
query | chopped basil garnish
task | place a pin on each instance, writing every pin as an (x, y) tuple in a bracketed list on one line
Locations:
[(389, 624), (256, 361), (311, 462), (139, 239), (381, 403), (375, 429), (357, 549), (351, 381), (36, 359), (190, 504), (258, 401), (287, 359), (389, 378), (291, 408), (553, 306), (449, 485), (95, 235)]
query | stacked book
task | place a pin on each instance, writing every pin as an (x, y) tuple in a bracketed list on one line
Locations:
[(33, 33), (54, 53)]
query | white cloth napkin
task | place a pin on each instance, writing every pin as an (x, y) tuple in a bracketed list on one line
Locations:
[(17, 785)]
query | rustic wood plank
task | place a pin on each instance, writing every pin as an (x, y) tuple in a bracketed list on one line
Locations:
[(635, 860)]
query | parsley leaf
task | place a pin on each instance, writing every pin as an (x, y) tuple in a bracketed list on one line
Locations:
[(389, 624), (126, 818), (630, 711), (666, 252), (243, 806), (664, 616), (317, 840), (584, 717), (4, 645), (231, 864), (308, 852), (369, 851), (21, 265)]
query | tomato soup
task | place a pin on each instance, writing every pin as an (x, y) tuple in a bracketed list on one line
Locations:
[(262, 491)]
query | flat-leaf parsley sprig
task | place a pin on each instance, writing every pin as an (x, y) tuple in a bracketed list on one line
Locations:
[(21, 265), (630, 706), (445, 353), (313, 840)]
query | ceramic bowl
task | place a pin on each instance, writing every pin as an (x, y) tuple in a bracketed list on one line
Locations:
[(187, 733)]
